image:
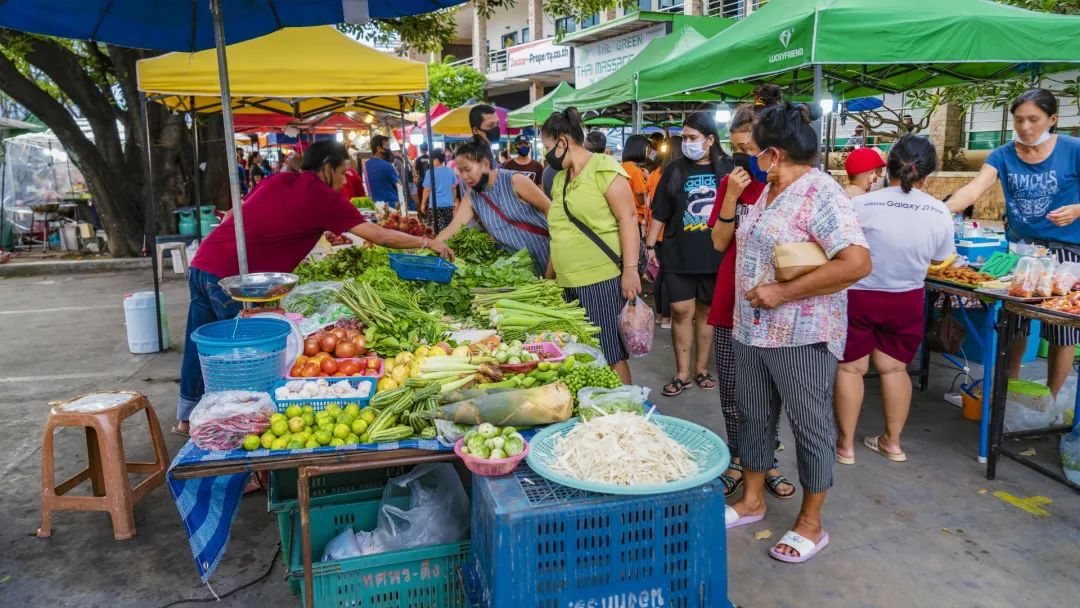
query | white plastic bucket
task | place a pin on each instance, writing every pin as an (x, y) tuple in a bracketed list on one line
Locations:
[(141, 322)]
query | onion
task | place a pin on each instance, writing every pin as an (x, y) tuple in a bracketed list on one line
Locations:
[(345, 350), (360, 342), (328, 342), (311, 347), (339, 332)]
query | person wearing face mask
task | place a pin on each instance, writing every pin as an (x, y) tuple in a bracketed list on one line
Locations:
[(594, 231), (863, 167), (1040, 174), (283, 220), (523, 161), (635, 159), (484, 122), (684, 200), (788, 336), (752, 181), (508, 205), (382, 178)]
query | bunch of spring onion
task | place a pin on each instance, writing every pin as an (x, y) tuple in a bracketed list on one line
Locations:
[(455, 373), (540, 293), (516, 320)]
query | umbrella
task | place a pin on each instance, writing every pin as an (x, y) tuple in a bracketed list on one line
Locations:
[(456, 122)]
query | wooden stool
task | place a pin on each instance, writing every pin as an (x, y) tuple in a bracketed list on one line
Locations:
[(100, 414), (170, 247)]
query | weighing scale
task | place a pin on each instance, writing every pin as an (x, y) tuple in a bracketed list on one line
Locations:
[(260, 292)]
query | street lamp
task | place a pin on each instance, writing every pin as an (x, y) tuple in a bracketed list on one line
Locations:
[(826, 105), (723, 116)]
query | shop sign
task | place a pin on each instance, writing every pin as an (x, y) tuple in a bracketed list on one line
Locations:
[(597, 60), (535, 57)]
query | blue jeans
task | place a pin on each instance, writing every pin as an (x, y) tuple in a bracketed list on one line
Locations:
[(209, 303)]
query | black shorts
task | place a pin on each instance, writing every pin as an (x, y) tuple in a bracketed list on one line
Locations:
[(683, 287)]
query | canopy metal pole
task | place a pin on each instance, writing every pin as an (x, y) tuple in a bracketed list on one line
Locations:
[(3, 193), (197, 184), (829, 133), (150, 227), (637, 117), (230, 144), (431, 163), (819, 90), (1004, 122), (404, 159)]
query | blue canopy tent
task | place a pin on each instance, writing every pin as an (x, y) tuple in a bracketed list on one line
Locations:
[(195, 25)]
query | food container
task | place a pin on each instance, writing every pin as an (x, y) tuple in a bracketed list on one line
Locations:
[(547, 351), (365, 361), (486, 467)]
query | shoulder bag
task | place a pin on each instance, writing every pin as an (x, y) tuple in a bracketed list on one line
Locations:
[(599, 242), (527, 227)]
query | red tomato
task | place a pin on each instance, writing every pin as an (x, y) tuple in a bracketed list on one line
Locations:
[(329, 365)]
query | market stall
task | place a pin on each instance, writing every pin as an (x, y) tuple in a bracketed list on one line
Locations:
[(538, 111)]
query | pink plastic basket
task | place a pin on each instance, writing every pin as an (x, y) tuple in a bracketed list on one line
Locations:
[(490, 468), (548, 351)]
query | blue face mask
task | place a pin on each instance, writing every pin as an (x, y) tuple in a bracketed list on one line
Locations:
[(756, 172)]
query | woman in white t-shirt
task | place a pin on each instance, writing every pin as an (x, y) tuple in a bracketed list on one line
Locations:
[(908, 230)]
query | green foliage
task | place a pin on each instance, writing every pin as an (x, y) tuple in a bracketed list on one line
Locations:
[(455, 85), (343, 264)]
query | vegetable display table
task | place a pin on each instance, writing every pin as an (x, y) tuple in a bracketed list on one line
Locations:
[(985, 334), (1009, 329)]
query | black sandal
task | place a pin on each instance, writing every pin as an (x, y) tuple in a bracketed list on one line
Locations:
[(675, 387), (704, 377), (732, 485), (773, 482)]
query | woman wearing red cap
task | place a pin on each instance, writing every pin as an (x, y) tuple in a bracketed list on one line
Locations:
[(863, 168), (907, 230)]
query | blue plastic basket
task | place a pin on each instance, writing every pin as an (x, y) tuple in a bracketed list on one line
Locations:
[(576, 548), (320, 403), (422, 267), (242, 354)]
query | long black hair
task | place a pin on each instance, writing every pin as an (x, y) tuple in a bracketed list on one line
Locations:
[(719, 160), (788, 127), (911, 159), (635, 150)]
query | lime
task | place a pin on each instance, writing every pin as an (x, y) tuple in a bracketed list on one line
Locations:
[(337, 441), (279, 444), (308, 429), (295, 444), (322, 415), (307, 409), (352, 439), (352, 409), (308, 418), (368, 415), (279, 427), (323, 437), (327, 426), (296, 424), (252, 442), (267, 439), (359, 426), (344, 418), (333, 409), (302, 437), (365, 438), (277, 417), (311, 443), (293, 411), (341, 431)]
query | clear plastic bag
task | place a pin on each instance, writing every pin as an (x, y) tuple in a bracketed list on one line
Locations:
[(311, 298), (574, 348), (1065, 277), (438, 510), (221, 420), (342, 546), (1044, 286), (636, 328), (1070, 455), (1025, 277), (594, 401)]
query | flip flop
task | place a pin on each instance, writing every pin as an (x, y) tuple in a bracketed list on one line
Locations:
[(175, 430), (773, 481), (704, 377), (675, 387), (872, 443), (732, 485), (803, 545), (733, 520), (845, 459)]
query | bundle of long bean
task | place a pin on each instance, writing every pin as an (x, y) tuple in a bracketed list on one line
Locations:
[(540, 293), (516, 319)]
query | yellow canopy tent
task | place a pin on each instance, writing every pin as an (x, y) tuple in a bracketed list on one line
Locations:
[(455, 123), (300, 71)]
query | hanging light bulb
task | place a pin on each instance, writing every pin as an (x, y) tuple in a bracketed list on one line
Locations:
[(370, 118)]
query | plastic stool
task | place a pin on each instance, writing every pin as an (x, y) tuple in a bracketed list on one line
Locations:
[(100, 414), (162, 248)]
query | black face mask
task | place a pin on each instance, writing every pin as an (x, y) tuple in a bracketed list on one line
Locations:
[(386, 155), (742, 159), (482, 184), (493, 134), (553, 161)]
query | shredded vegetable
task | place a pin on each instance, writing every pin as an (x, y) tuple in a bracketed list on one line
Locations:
[(622, 449)]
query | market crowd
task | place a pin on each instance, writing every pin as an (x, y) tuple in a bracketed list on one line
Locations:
[(793, 284)]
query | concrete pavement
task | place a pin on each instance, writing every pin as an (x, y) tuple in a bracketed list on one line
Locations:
[(929, 532)]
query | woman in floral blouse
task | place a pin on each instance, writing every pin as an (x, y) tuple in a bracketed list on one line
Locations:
[(789, 336)]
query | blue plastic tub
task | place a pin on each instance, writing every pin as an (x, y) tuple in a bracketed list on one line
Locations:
[(320, 403), (422, 267), (242, 354), (538, 544)]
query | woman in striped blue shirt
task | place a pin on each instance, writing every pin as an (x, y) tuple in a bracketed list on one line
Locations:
[(508, 205)]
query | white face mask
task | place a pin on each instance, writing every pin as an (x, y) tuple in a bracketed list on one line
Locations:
[(694, 150), (1042, 139)]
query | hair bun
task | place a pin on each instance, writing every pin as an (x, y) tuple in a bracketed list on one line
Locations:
[(767, 95)]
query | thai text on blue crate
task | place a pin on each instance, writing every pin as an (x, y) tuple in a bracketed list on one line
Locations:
[(636, 599)]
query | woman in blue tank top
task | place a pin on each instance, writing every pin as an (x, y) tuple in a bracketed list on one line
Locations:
[(509, 206)]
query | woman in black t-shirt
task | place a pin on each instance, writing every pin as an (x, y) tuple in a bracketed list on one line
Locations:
[(681, 208)]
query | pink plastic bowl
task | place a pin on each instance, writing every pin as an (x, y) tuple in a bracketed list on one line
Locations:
[(490, 468)]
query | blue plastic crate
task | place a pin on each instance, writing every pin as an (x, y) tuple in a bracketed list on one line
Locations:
[(537, 544), (320, 404), (242, 354), (422, 267)]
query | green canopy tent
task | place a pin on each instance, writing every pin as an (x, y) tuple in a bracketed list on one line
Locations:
[(538, 111), (856, 48), (621, 86)]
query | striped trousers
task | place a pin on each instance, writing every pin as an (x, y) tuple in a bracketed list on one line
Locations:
[(800, 379), (725, 380)]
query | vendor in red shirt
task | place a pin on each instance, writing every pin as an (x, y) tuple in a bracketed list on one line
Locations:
[(283, 220), (745, 183), (354, 184)]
